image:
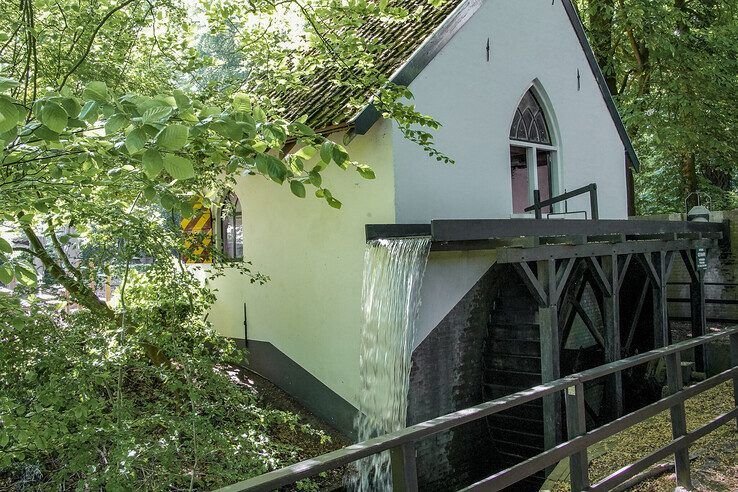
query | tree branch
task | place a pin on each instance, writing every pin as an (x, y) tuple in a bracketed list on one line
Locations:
[(60, 251), (92, 40), (77, 290)]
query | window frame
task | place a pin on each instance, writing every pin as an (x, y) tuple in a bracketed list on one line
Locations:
[(224, 221), (531, 152)]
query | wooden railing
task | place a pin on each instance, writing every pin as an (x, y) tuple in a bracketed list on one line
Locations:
[(539, 205), (402, 450)]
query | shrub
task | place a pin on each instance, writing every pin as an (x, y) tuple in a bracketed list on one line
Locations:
[(82, 406)]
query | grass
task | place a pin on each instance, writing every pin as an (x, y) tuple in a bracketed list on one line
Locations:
[(715, 463)]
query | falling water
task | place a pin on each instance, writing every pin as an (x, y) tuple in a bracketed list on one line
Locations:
[(393, 272)]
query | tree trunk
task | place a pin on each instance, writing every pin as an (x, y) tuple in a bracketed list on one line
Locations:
[(689, 172), (82, 294)]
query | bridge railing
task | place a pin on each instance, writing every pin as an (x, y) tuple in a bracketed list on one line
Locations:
[(401, 443)]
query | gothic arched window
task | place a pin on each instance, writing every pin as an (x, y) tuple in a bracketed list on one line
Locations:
[(532, 154), (529, 122), (231, 227)]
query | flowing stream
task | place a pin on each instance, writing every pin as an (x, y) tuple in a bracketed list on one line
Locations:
[(393, 273)]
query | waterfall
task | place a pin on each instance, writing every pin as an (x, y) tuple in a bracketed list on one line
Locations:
[(393, 273)]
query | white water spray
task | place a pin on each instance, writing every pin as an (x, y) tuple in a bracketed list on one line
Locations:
[(393, 273)]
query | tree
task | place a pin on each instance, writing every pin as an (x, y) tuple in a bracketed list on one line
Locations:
[(671, 66), (115, 120), (133, 142)]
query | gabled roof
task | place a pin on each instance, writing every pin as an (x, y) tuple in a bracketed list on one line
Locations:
[(327, 103), (409, 47)]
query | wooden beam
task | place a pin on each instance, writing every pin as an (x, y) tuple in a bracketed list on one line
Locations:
[(531, 281), (548, 320), (601, 279), (623, 264), (637, 315), (611, 319), (558, 252), (589, 324), (689, 264), (669, 255), (698, 317), (550, 371), (647, 262), (483, 229), (660, 301), (576, 425), (404, 468), (678, 419), (562, 278)]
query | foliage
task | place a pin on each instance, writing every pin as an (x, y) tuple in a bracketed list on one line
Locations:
[(81, 405), (117, 119), (672, 67)]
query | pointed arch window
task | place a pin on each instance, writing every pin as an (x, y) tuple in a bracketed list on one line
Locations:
[(529, 122), (231, 227), (532, 154)]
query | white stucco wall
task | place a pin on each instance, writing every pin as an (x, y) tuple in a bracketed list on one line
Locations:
[(311, 308), (449, 276), (475, 101)]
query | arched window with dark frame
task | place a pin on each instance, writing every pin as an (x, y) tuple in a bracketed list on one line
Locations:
[(231, 227), (532, 153)]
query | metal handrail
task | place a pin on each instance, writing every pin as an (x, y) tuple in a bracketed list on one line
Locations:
[(539, 205), (401, 442)]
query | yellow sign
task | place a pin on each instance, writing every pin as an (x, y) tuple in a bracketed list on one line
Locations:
[(198, 230)]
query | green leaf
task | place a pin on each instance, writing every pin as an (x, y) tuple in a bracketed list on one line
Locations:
[(136, 140), (298, 189), (6, 274), (173, 137), (241, 102), (183, 102), (228, 129), (152, 163), (259, 115), (326, 151), (366, 172), (306, 153), (340, 156), (276, 169), (97, 91), (115, 123), (333, 202), (71, 106), (5, 246), (89, 111), (156, 115), (178, 167), (167, 201), (45, 133), (315, 178), (10, 115), (6, 83), (25, 274), (41, 206), (149, 192)]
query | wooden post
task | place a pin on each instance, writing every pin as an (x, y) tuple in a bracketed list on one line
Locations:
[(611, 317), (699, 320), (678, 418), (660, 306), (734, 363), (576, 425), (404, 468), (548, 319)]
